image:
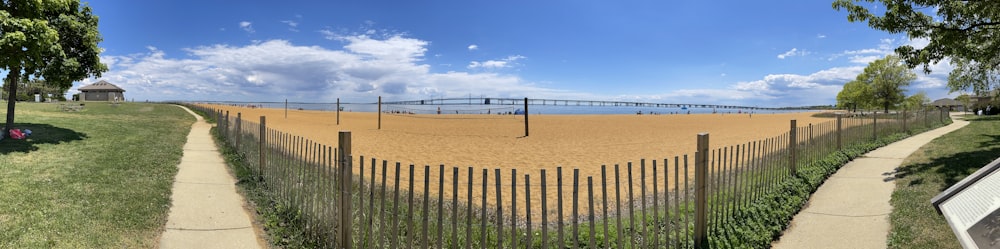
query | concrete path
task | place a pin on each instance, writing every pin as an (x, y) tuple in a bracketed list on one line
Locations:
[(206, 212), (851, 209)]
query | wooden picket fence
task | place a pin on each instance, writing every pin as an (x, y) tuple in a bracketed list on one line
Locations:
[(357, 202)]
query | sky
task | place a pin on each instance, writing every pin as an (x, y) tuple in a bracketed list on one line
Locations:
[(753, 53)]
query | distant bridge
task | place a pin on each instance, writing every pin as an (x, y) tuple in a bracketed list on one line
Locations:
[(544, 102), (562, 102)]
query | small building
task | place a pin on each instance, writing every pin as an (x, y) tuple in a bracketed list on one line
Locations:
[(951, 104), (102, 91)]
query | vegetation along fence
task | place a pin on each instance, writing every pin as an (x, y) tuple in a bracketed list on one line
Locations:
[(358, 202)]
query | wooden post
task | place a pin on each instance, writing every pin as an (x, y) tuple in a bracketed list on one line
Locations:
[(810, 134), (237, 132), (839, 131), (338, 111), (344, 145), (874, 126), (590, 206), (700, 195), (263, 143), (792, 144), (525, 116), (379, 112), (559, 208), (545, 214), (499, 184), (222, 124), (941, 114), (904, 121), (527, 210), (513, 207), (286, 108)]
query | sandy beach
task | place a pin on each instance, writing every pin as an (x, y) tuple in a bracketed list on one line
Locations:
[(583, 142)]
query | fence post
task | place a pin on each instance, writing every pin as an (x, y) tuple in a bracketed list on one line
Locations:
[(338, 111), (344, 144), (904, 121), (874, 126), (225, 130), (222, 124), (263, 142), (810, 134), (792, 147), (236, 132), (941, 114), (839, 131), (700, 195)]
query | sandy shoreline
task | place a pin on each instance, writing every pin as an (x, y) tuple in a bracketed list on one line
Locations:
[(583, 142)]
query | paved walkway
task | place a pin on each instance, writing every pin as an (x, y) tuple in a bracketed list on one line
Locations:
[(851, 209), (206, 212)]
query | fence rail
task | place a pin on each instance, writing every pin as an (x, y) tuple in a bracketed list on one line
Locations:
[(349, 201)]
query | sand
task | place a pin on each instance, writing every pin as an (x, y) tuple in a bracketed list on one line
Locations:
[(583, 142)]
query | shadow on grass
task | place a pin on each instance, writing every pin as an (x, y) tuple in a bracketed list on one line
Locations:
[(953, 168), (40, 134)]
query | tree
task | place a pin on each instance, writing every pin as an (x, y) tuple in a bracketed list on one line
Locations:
[(972, 75), (916, 101), (27, 90), (54, 39), (887, 77), (855, 94), (959, 29)]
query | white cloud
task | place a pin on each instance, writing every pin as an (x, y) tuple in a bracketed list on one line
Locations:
[(510, 61), (272, 70), (773, 90), (865, 59), (867, 55), (247, 26), (820, 36), (918, 43), (886, 44), (473, 47), (793, 52), (292, 25)]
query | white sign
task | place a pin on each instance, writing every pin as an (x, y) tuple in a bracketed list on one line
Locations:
[(972, 208)]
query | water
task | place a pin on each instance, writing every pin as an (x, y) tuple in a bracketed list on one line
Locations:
[(498, 109)]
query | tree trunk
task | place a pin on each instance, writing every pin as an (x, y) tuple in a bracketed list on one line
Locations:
[(886, 108), (12, 78)]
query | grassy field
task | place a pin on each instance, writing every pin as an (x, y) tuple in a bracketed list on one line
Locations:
[(98, 178), (932, 169)]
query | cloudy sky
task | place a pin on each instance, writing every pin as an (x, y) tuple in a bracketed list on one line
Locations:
[(773, 53)]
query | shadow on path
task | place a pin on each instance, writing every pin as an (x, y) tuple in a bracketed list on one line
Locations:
[(40, 134)]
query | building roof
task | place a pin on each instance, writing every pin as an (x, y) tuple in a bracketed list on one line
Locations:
[(101, 85), (946, 102)]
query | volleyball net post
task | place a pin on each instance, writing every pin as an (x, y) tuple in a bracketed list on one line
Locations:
[(379, 112), (525, 117)]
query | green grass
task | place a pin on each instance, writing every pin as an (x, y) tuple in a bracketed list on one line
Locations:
[(932, 169), (97, 178)]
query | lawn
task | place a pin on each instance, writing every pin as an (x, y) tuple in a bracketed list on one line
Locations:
[(932, 169), (97, 178)]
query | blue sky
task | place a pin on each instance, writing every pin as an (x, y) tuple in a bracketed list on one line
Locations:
[(774, 53)]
